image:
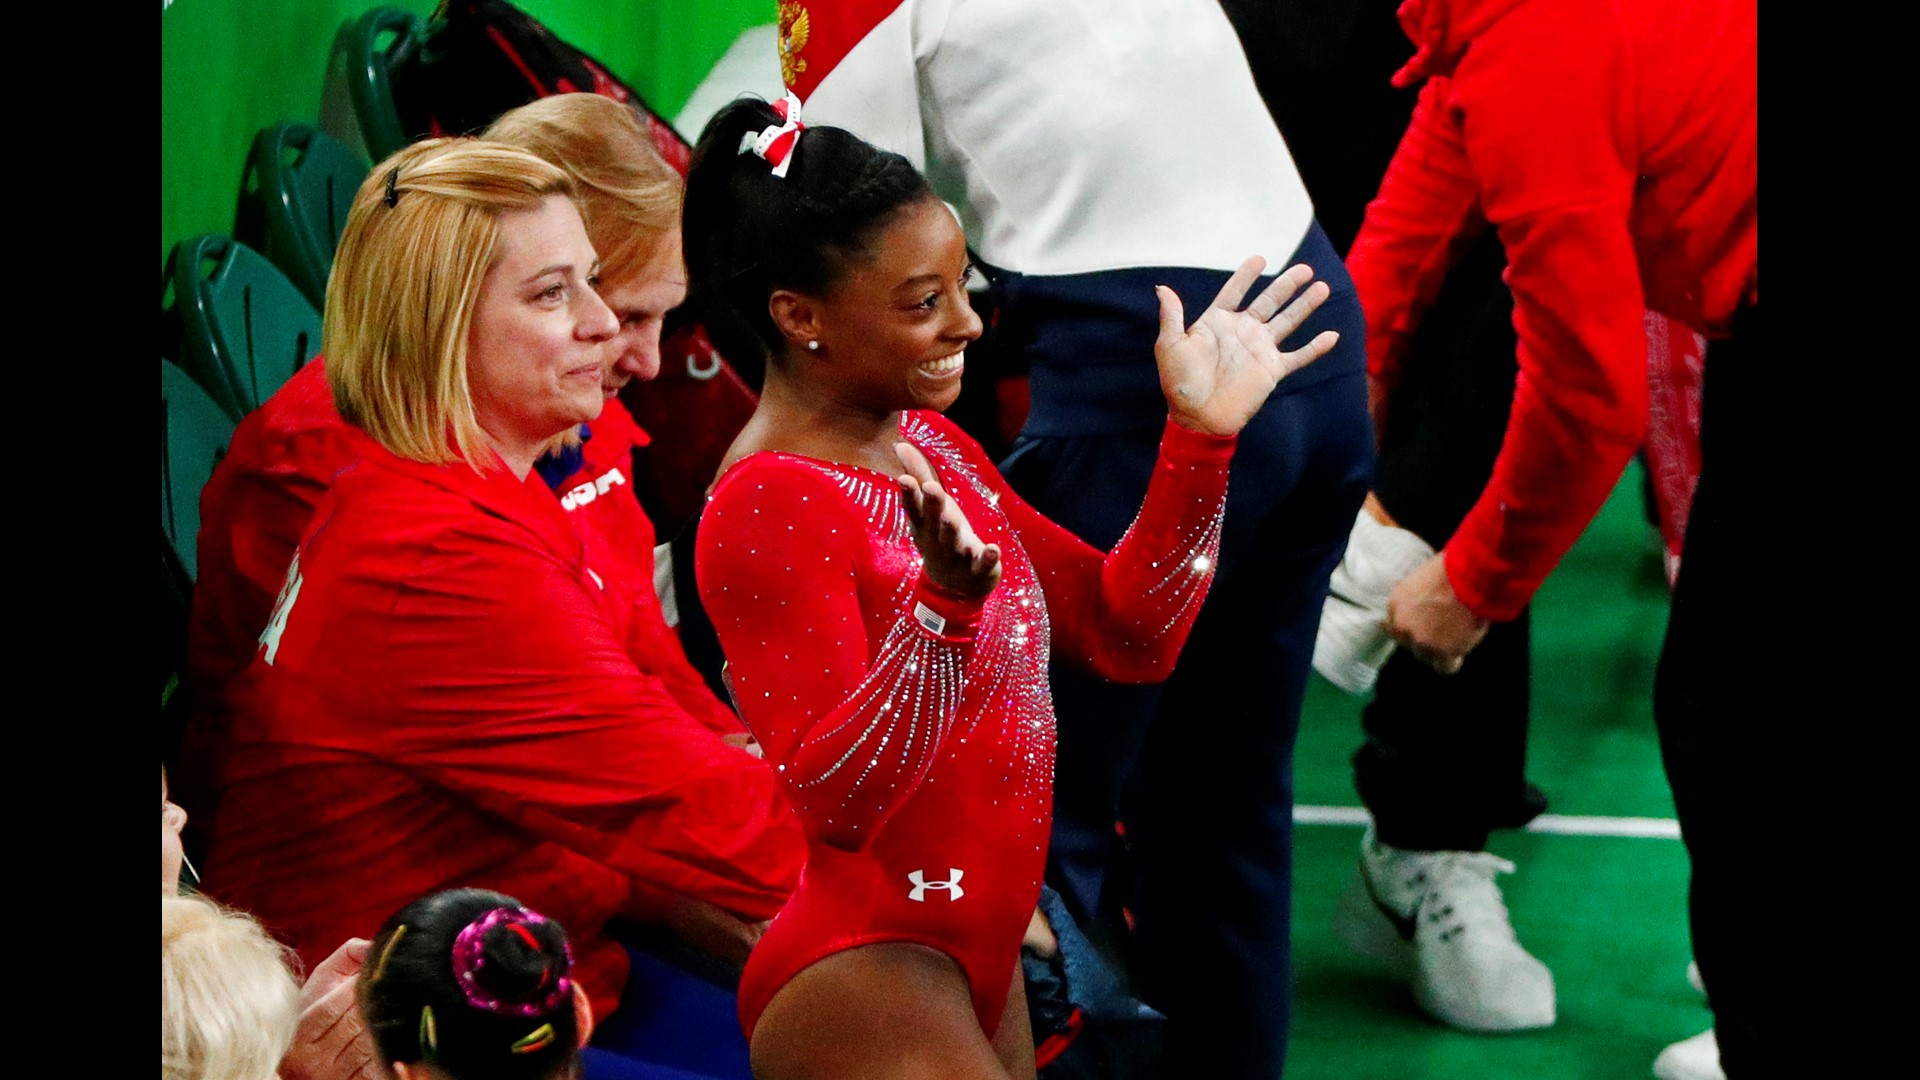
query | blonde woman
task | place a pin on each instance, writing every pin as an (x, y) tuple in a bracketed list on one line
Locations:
[(446, 691), (283, 458)]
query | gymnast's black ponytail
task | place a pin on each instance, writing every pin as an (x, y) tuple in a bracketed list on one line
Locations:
[(749, 232)]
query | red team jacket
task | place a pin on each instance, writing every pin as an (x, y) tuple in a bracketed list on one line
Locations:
[(467, 681), (281, 462), (1612, 144)]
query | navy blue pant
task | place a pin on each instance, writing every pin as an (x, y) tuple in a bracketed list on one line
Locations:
[(1199, 769)]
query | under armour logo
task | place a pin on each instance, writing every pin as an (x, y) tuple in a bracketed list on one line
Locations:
[(921, 885)]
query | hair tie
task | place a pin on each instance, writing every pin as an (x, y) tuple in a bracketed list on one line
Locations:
[(469, 949), (776, 143)]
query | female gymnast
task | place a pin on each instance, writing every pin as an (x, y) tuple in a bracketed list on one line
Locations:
[(887, 604)]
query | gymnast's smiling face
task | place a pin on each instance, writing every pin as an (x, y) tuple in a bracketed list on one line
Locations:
[(894, 326)]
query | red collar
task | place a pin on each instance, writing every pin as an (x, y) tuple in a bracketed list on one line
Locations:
[(495, 490), (615, 435)]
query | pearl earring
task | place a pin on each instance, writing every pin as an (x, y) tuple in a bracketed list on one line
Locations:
[(813, 345)]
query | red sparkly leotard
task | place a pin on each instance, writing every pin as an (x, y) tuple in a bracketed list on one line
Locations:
[(913, 730)]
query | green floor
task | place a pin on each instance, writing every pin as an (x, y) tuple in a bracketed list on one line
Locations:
[(1608, 915)]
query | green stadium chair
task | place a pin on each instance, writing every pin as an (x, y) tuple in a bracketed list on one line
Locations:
[(242, 328), (295, 193), (356, 100), (197, 362), (194, 433)]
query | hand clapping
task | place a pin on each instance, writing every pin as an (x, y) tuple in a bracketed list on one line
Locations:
[(1217, 373), (954, 557)]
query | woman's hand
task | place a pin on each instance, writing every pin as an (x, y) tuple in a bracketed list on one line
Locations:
[(332, 1041), (954, 557), (1218, 372)]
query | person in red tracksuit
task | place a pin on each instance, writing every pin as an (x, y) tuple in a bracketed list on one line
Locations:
[(283, 456), (1611, 145), (1629, 186), (446, 690)]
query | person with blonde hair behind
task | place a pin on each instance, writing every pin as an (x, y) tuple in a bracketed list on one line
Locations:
[(446, 692), (628, 194), (228, 1003)]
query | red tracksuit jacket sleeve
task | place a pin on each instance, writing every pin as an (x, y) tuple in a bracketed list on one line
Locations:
[(474, 657), (602, 501), (655, 646), (1546, 101), (1415, 228), (851, 722), (658, 649)]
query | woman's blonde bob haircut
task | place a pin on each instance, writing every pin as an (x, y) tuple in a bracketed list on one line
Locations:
[(628, 195), (229, 1004), (423, 231)]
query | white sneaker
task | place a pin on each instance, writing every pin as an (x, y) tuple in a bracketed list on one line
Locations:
[(1352, 641), (1436, 919), (1697, 1058)]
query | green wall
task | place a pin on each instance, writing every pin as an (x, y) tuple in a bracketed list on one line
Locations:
[(231, 67)]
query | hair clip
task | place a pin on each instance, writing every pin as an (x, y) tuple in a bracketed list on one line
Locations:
[(429, 1035), (776, 142), (386, 954), (393, 196), (534, 1041)]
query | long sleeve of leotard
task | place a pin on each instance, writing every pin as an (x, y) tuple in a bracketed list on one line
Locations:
[(851, 720), (1124, 615)]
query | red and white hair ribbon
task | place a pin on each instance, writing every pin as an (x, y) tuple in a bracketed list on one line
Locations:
[(776, 143)]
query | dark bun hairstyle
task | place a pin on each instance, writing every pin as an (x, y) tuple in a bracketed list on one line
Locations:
[(749, 232), (472, 982)]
